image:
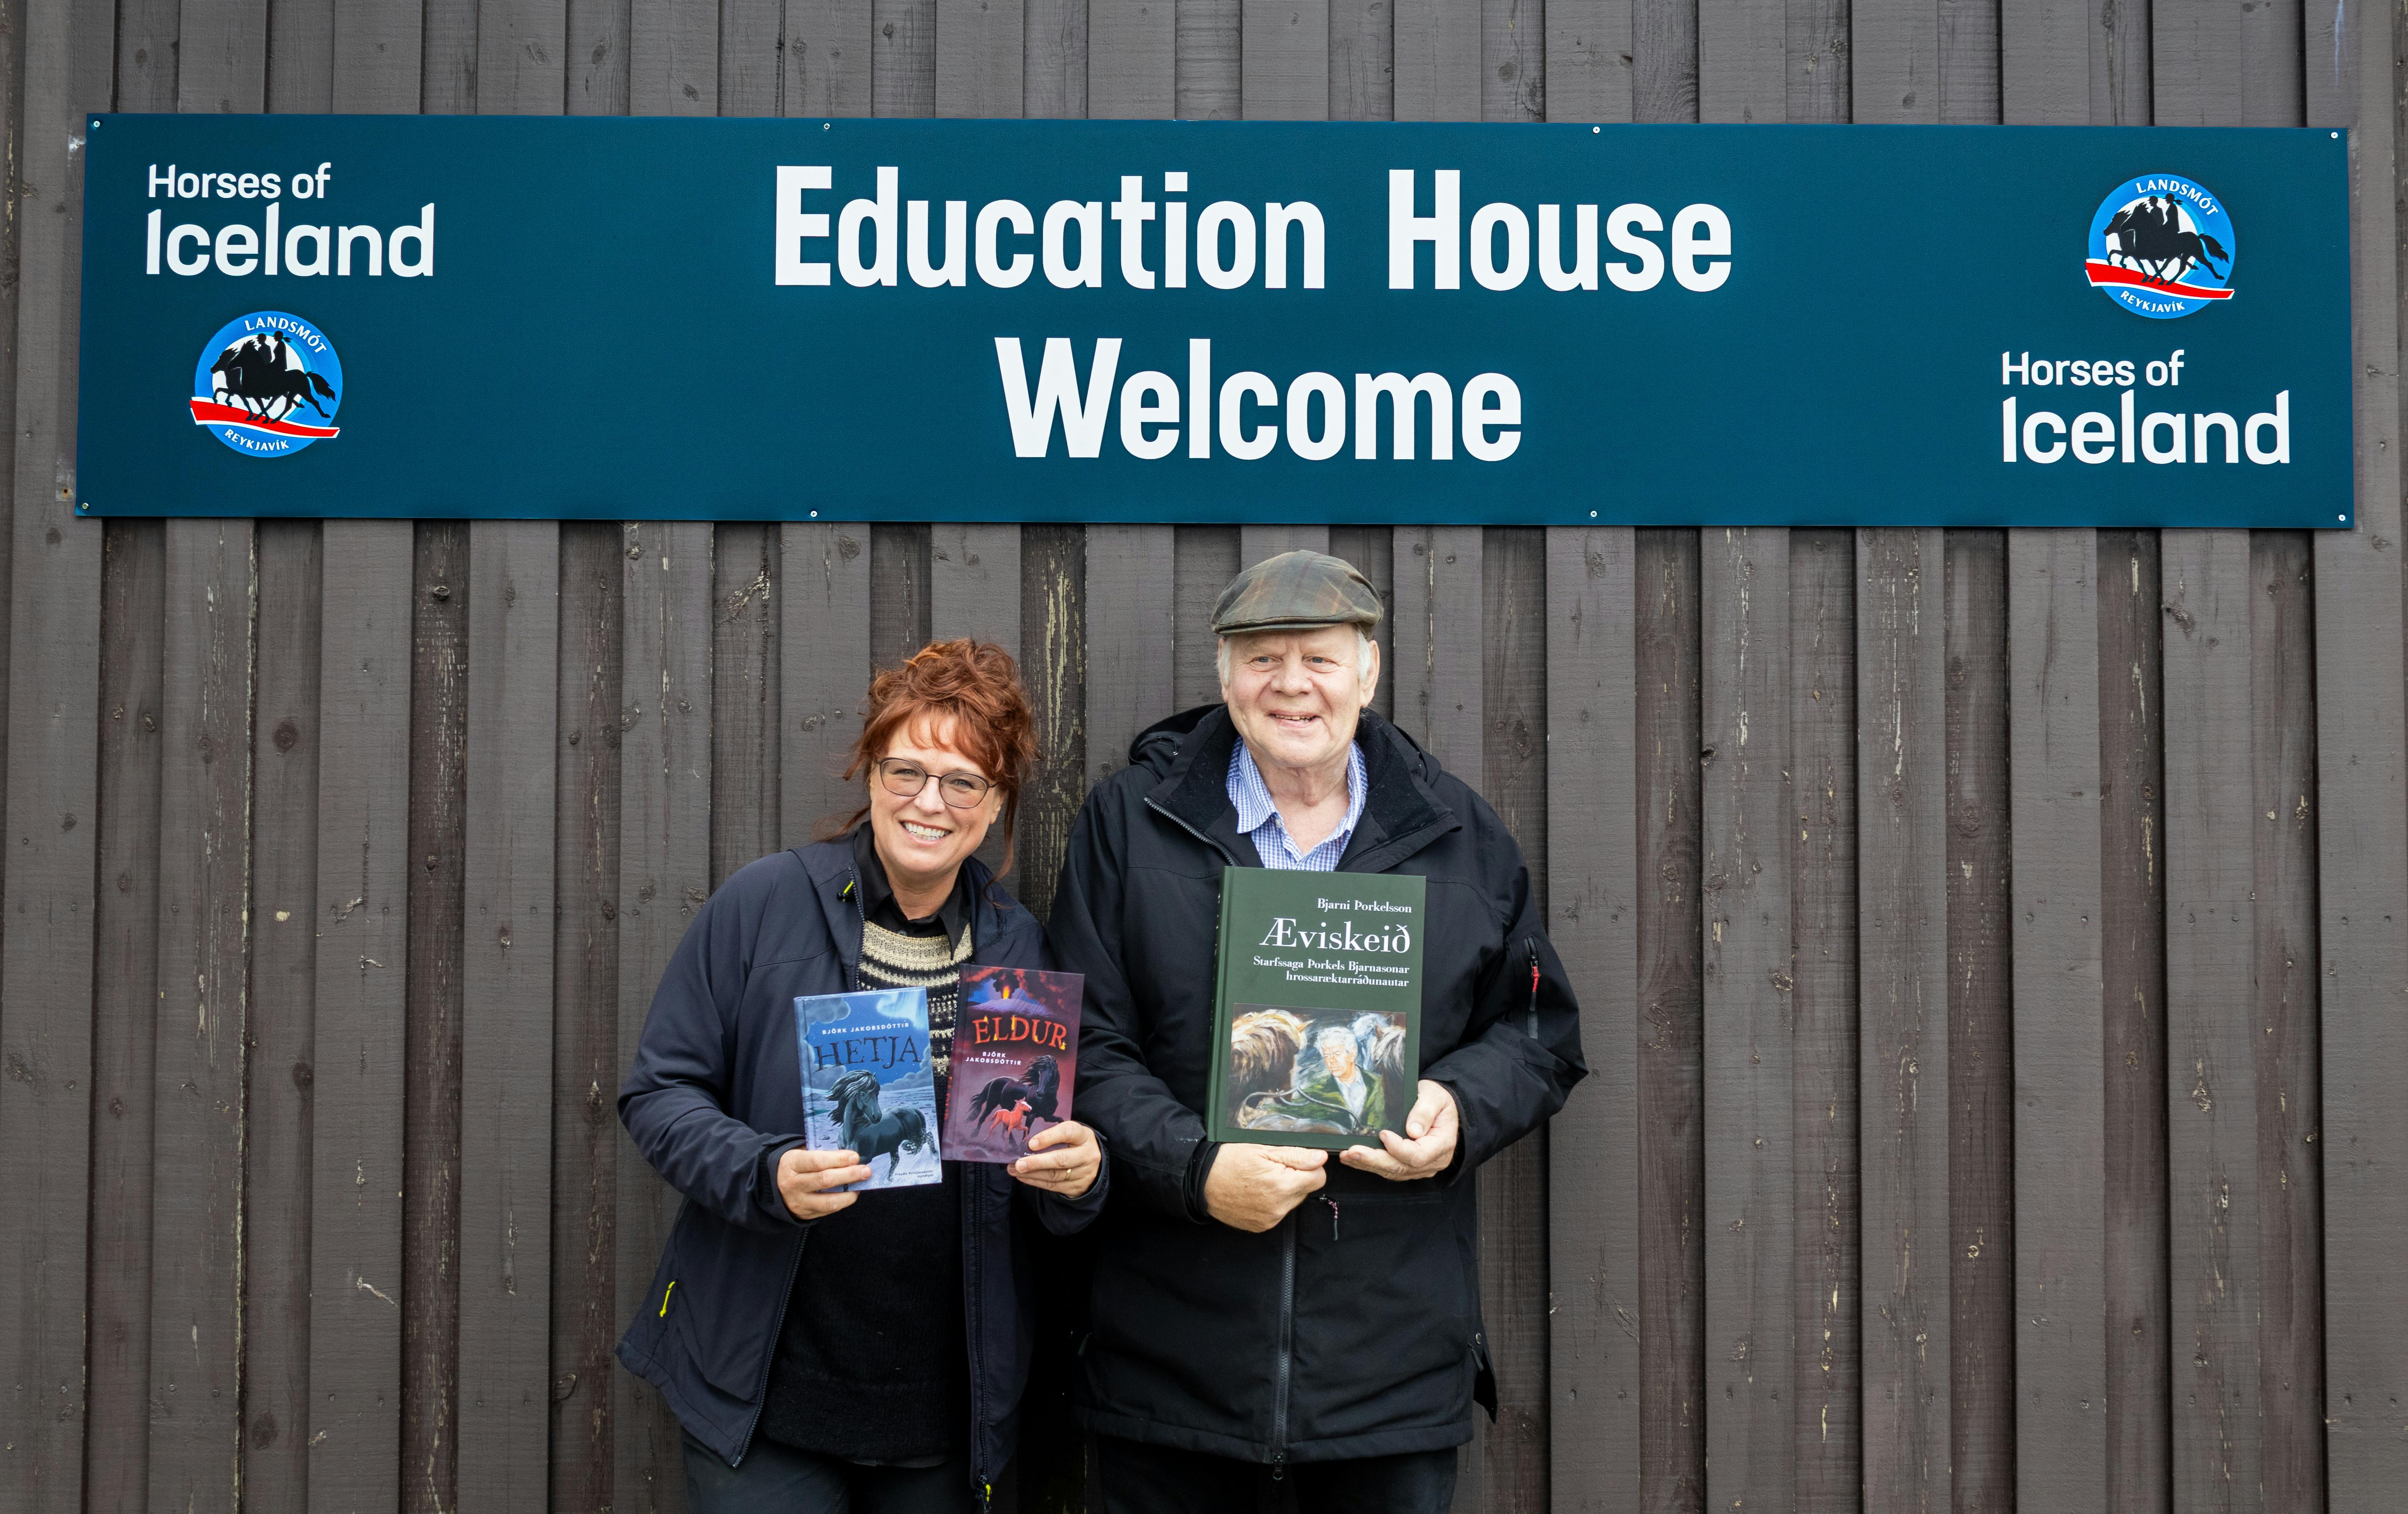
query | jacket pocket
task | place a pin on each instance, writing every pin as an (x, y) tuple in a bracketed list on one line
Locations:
[(1387, 1310), (717, 1297)]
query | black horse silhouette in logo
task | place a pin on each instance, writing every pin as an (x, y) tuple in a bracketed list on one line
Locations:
[(2149, 237), (254, 374)]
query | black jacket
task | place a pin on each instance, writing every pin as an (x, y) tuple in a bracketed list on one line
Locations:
[(717, 1088), (1353, 1327)]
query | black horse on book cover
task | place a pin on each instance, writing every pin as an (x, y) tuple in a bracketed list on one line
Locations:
[(869, 1132), (1039, 1088)]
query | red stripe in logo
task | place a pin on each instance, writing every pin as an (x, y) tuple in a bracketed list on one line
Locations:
[(209, 412)]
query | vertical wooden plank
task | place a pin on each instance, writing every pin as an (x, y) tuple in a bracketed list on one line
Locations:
[(1815, 63), (1054, 665), (2211, 1010), (1205, 560), (1981, 1091), (1823, 1011), (301, 57), (1667, 736), (1439, 614), (1750, 1214), (744, 688), (1258, 542), (1283, 49), (505, 1028), (1132, 59), (2059, 1054), (751, 69), (126, 1013), (1055, 60), (1894, 63), (2195, 60), (46, 951), (1589, 59), (146, 57), (284, 983), (1372, 551), (1513, 60), (663, 877), (1206, 67), (1968, 62), (598, 63), (1593, 883), (221, 57), (521, 57), (823, 669), (2133, 972), (1743, 61), (585, 1021), (448, 83), (1663, 59), (673, 58), (974, 584), (2045, 62), (203, 1027), (360, 914), (379, 52), (1362, 59), (1129, 638), (2273, 86), (1514, 1209), (980, 47), (828, 54), (899, 575), (2362, 824), (2282, 759), (1438, 59), (903, 58), (430, 1258), (1903, 1024)]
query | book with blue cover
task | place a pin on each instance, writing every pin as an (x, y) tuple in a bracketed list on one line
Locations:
[(869, 1085)]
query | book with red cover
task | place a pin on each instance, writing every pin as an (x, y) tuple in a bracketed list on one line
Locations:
[(1015, 1055)]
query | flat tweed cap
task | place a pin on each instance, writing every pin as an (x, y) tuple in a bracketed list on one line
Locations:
[(1296, 591)]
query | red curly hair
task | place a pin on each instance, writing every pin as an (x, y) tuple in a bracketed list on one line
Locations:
[(974, 684)]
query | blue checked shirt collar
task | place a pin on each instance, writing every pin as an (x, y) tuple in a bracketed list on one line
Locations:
[(1258, 817)]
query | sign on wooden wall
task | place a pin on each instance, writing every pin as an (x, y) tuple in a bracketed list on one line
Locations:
[(733, 320)]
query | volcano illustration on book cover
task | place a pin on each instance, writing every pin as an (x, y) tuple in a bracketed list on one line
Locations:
[(1015, 1055)]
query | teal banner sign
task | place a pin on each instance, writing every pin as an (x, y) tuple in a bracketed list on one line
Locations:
[(1120, 321)]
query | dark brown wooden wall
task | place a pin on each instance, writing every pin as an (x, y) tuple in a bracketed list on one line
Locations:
[(1992, 943)]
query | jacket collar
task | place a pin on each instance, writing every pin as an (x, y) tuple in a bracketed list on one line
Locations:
[(829, 865), (1401, 815)]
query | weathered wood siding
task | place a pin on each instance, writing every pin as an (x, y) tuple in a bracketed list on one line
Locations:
[(1992, 943)]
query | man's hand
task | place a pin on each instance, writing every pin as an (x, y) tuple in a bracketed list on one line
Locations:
[(1070, 1162), (1432, 1127), (1253, 1187), (804, 1179)]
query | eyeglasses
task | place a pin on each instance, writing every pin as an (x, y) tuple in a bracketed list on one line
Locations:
[(962, 790)]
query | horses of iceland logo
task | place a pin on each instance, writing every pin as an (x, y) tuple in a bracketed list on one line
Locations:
[(2161, 246), (267, 385)]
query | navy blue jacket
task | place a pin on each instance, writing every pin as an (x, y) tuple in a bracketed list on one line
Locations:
[(717, 1088)]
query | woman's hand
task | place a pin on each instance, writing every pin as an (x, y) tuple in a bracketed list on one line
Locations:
[(1064, 1160), (805, 1176)]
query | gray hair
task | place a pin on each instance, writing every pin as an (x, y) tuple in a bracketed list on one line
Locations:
[(1363, 651)]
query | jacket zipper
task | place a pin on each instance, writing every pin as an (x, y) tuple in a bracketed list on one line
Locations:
[(1287, 1345), (786, 1295), (1530, 945), (970, 1292), (769, 1359)]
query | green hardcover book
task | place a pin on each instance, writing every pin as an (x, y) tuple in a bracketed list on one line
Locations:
[(1317, 1015)]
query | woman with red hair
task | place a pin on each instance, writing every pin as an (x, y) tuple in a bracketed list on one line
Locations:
[(823, 1355)]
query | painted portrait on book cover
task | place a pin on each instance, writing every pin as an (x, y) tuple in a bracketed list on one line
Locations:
[(1296, 1072)]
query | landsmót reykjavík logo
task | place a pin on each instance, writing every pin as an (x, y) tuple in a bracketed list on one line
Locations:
[(2161, 246), (267, 385)]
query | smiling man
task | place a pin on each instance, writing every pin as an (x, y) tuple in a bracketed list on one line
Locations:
[(1263, 1313)]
